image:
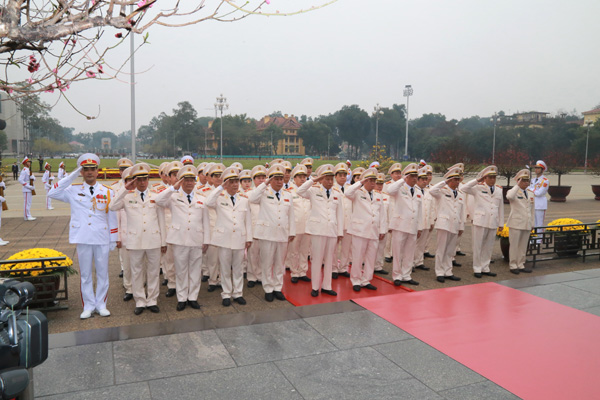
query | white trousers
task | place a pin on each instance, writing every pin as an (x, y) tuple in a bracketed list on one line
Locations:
[(145, 263), (232, 276), (364, 251), (539, 217), (96, 254), (297, 255), (27, 205), (167, 263), (322, 248), (518, 238), (342, 256), (420, 247), (445, 250), (381, 247), (388, 246), (483, 246), (188, 275), (403, 251), (124, 258), (254, 272), (48, 200), (272, 256), (210, 265)]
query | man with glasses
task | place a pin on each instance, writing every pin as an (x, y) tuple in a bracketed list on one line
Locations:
[(93, 228)]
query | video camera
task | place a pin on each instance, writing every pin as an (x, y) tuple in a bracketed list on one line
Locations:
[(23, 337)]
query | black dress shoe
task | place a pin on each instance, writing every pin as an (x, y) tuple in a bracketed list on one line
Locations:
[(428, 255), (411, 282), (121, 274), (527, 270), (259, 282), (397, 282), (370, 287), (211, 288), (455, 264), (294, 279), (515, 271), (245, 275), (492, 261), (388, 259), (345, 274), (181, 305), (269, 297), (440, 279), (170, 293), (226, 302), (251, 284), (356, 288), (334, 275), (165, 282), (204, 278), (460, 253), (329, 292), (278, 295), (127, 297), (154, 309), (382, 272), (489, 273), (304, 278), (240, 300), (314, 293), (160, 273), (138, 310), (453, 278), (423, 267), (477, 274), (194, 304)]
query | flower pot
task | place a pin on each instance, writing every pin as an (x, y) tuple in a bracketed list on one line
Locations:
[(505, 248), (505, 189), (567, 244), (595, 189), (559, 193)]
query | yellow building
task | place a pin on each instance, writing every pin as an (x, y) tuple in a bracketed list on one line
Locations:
[(591, 116), (291, 144)]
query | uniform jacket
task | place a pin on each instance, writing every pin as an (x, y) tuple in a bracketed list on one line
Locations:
[(189, 224), (234, 222), (121, 216), (522, 213), (539, 186), (429, 211), (47, 180), (347, 204), (212, 213), (24, 180), (145, 219), (488, 207), (406, 213), (276, 221), (326, 216), (301, 210), (450, 210), (92, 220), (368, 216)]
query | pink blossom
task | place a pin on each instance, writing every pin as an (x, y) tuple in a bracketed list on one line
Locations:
[(141, 3), (55, 70), (268, 1), (49, 90), (90, 74), (30, 80)]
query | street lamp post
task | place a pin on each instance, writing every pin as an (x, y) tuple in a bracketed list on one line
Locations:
[(494, 119), (220, 105), (376, 112), (589, 124), (408, 91)]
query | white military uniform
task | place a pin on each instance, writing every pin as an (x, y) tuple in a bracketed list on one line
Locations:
[(298, 249), (406, 220), (210, 263), (189, 230), (381, 247), (342, 256), (146, 234), (428, 220), (450, 219), (325, 224), (47, 180), (61, 173), (167, 260), (254, 272), (274, 225), (232, 230), (488, 215), (94, 228), (367, 223), (123, 254), (520, 222), (387, 253), (27, 189), (539, 186)]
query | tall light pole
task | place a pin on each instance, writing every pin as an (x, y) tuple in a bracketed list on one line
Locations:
[(221, 105), (589, 124), (376, 112), (494, 120), (408, 91), (132, 77)]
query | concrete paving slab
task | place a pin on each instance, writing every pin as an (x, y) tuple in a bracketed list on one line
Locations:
[(260, 381), (163, 356), (592, 310), (590, 272), (132, 391), (256, 344), (352, 374), (542, 280), (482, 390), (589, 285), (566, 295), (430, 366), (357, 329)]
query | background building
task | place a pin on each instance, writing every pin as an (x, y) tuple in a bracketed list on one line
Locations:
[(17, 137), (291, 144)]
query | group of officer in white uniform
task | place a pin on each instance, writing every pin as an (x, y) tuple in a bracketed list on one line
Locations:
[(215, 224)]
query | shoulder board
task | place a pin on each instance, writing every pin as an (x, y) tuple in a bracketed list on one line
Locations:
[(288, 189), (243, 195), (498, 186), (77, 184), (132, 191), (159, 190), (337, 190), (199, 187), (248, 190), (205, 189), (114, 183), (156, 184), (108, 187), (377, 191)]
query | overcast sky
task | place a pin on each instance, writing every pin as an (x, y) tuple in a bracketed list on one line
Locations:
[(462, 58)]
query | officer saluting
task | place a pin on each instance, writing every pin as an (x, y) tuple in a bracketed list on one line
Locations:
[(93, 227), (520, 221)]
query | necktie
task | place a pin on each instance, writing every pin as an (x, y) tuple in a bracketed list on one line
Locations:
[(371, 195), (277, 194), (233, 200), (92, 190), (142, 196), (492, 189), (412, 191), (342, 189), (423, 191), (287, 186), (455, 193), (327, 193), (189, 196), (525, 191)]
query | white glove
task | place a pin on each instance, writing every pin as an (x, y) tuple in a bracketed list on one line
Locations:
[(32, 177), (30, 187), (51, 178), (2, 184), (2, 199), (112, 246)]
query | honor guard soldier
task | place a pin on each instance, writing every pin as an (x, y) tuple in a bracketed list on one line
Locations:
[(428, 219), (122, 239), (25, 179), (167, 260), (450, 222), (298, 249), (275, 227), (187, 160), (232, 234), (210, 263), (122, 164), (61, 171), (406, 223), (93, 228), (254, 272), (368, 226), (342, 255), (146, 236), (188, 234), (379, 182), (520, 221), (325, 225), (539, 186), (488, 216), (395, 172), (47, 181), (308, 163)]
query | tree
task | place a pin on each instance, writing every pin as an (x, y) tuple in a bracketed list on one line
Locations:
[(510, 161), (354, 125), (560, 163), (317, 138)]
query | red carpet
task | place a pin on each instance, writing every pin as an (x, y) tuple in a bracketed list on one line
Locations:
[(299, 293), (535, 348)]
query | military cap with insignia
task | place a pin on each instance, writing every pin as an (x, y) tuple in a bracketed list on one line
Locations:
[(368, 174), (325, 170), (276, 170), (287, 165), (245, 174), (422, 172), (299, 170), (455, 172), (174, 166), (186, 171), (340, 167), (88, 160), (217, 168), (395, 167), (124, 162), (458, 165), (523, 174), (140, 170), (126, 174), (380, 178), (491, 170), (258, 170), (201, 167), (238, 166), (541, 164), (185, 160), (47, 166), (230, 173), (411, 169), (358, 171), (307, 162)]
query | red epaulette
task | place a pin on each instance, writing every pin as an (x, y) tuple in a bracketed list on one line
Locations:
[(243, 195), (205, 189)]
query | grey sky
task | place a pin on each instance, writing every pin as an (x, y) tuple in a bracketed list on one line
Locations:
[(463, 58)]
